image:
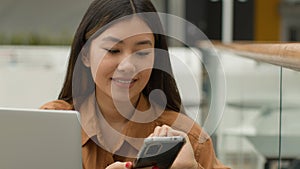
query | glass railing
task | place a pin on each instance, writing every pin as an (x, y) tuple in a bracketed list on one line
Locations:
[(260, 125)]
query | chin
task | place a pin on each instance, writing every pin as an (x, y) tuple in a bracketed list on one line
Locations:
[(123, 97)]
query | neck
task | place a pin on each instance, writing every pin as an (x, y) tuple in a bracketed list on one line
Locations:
[(111, 113)]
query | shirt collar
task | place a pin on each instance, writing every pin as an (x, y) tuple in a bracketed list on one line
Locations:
[(133, 132), (88, 120), (84, 137)]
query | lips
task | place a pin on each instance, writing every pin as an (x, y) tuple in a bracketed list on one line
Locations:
[(124, 82)]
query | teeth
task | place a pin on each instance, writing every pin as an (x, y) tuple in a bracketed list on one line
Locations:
[(123, 81)]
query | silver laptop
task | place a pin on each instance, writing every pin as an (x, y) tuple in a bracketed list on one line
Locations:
[(39, 139)]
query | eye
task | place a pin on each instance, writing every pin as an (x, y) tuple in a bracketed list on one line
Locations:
[(143, 53), (112, 51)]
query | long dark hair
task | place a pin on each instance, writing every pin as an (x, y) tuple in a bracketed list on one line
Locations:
[(99, 14)]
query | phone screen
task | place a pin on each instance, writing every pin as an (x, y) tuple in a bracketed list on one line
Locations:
[(159, 151)]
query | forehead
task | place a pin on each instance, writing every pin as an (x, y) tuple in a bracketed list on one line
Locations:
[(126, 28)]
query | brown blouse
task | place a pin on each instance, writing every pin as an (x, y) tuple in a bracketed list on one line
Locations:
[(102, 145)]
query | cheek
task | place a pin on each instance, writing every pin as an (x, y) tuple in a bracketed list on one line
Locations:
[(145, 64), (145, 68), (96, 63), (145, 76), (101, 70)]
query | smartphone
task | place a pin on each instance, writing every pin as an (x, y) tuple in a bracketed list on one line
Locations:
[(159, 151)]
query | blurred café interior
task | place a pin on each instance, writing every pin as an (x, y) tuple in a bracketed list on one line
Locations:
[(245, 68)]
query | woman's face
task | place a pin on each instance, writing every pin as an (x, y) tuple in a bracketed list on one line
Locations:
[(121, 59)]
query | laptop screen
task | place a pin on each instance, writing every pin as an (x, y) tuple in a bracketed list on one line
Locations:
[(40, 139)]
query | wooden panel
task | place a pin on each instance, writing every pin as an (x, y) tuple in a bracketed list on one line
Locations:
[(267, 20)]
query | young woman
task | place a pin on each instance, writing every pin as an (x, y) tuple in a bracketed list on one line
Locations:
[(118, 64)]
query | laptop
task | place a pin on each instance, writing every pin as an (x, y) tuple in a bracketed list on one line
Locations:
[(39, 139)]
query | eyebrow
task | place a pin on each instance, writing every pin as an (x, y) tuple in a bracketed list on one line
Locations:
[(116, 40), (112, 39), (144, 42)]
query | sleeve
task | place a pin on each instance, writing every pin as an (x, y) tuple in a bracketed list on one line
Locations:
[(57, 105), (200, 140), (205, 155)]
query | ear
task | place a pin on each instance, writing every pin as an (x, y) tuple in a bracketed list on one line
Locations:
[(86, 60)]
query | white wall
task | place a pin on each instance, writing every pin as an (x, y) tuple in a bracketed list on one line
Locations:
[(31, 76)]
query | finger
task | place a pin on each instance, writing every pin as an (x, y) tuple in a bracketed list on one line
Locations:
[(163, 131), (120, 165), (128, 164), (173, 132), (156, 131)]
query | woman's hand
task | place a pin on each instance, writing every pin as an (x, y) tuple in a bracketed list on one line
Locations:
[(120, 165), (124, 165), (185, 158)]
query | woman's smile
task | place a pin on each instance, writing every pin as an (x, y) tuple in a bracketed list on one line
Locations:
[(123, 82)]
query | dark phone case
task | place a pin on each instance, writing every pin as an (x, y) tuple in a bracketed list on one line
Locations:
[(163, 160)]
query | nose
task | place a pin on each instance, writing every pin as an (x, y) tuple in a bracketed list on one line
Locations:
[(126, 65)]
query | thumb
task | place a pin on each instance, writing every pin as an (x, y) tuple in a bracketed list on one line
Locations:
[(120, 165)]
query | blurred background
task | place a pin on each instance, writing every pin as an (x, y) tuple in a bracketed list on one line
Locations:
[(46, 22), (256, 131)]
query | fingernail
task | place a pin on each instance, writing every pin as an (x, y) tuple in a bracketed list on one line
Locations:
[(128, 164), (155, 167)]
